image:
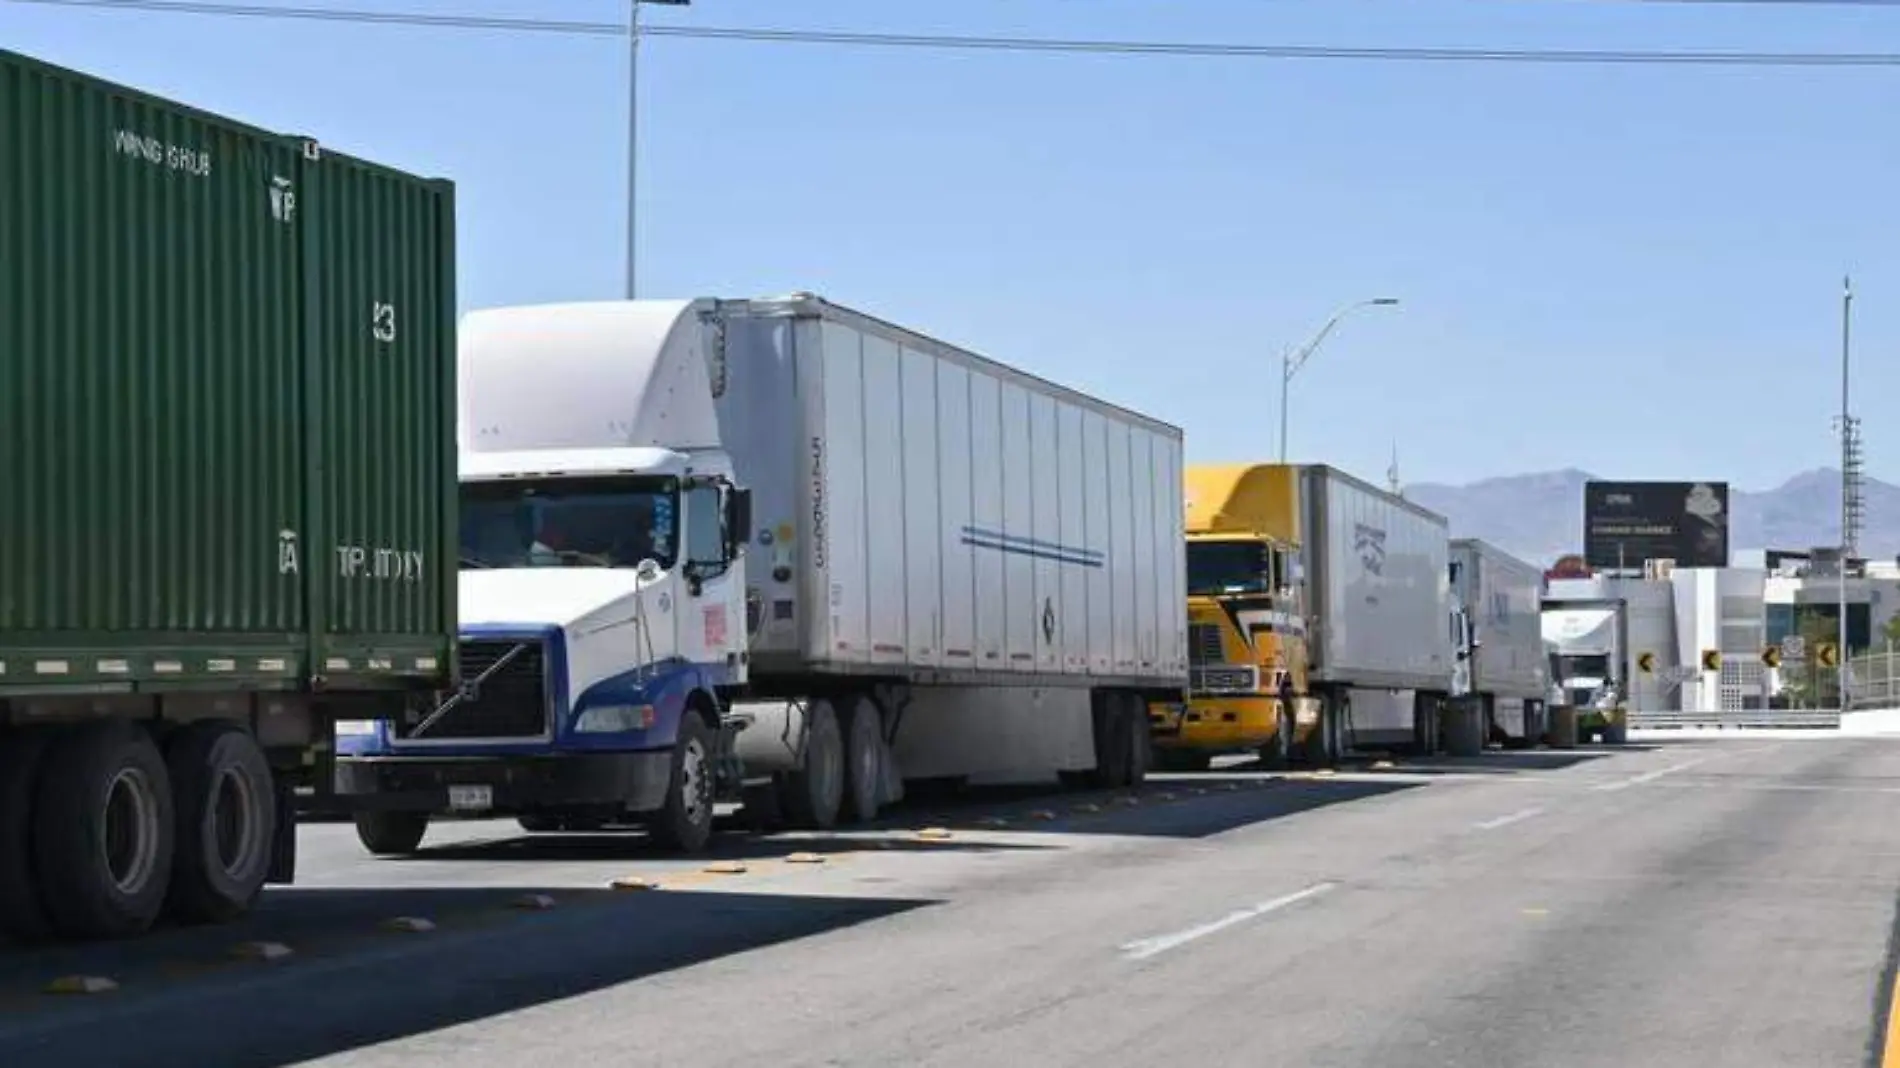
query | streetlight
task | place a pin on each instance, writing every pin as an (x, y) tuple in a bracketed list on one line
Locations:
[(633, 138), (1293, 361)]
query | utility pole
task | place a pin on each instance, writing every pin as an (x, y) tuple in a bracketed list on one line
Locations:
[(1850, 481), (633, 140)]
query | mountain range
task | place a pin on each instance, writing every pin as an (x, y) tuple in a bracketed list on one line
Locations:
[(1540, 516)]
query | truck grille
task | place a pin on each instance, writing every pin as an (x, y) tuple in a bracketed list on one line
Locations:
[(511, 703), (1204, 643), (1222, 678)]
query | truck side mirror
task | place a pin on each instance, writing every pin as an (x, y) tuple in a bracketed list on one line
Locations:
[(738, 519)]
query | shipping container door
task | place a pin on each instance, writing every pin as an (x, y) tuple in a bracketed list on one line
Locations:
[(923, 492), (381, 431), (149, 388)]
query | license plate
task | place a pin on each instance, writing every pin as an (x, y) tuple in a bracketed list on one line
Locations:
[(471, 798)]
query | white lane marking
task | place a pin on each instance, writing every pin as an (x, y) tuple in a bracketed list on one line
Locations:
[(1652, 776), (1506, 821), (1149, 947)]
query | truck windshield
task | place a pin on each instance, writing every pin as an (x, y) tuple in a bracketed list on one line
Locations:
[(1223, 567), (569, 522)]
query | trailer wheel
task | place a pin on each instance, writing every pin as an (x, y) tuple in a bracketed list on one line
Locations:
[(103, 832), (685, 823), (1322, 746), (864, 760), (391, 834), (22, 917), (814, 793), (226, 804), (1277, 754), (1114, 749), (1141, 755)]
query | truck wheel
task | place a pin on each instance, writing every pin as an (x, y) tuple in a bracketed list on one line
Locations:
[(1617, 733), (226, 805), (1141, 754), (22, 917), (1277, 754), (1114, 749), (1321, 748), (814, 794), (103, 832), (685, 823), (539, 824), (391, 834), (864, 760)]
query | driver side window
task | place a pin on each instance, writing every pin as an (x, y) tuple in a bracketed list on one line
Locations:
[(705, 528)]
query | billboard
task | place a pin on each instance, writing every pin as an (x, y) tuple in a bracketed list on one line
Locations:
[(1626, 523)]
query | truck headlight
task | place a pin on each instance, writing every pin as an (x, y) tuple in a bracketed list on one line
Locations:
[(610, 719), (356, 728)]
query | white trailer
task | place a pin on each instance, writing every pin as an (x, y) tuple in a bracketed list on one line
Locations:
[(858, 555), (1501, 598), (1381, 607)]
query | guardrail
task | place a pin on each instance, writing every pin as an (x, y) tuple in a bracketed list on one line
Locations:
[(1816, 718)]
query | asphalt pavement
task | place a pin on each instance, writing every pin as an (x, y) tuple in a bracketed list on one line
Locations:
[(1687, 901)]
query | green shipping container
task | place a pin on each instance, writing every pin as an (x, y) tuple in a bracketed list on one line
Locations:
[(227, 402)]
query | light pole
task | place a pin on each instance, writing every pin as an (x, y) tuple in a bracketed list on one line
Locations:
[(1848, 487), (1291, 362), (633, 139)]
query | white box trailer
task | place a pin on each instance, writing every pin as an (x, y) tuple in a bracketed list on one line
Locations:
[(782, 550), (1000, 544), (1381, 610), (1502, 598)]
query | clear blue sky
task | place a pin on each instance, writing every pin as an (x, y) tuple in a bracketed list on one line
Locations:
[(1631, 270)]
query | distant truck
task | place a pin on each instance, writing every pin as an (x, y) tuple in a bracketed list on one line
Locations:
[(1590, 663), (1500, 597), (784, 552), (227, 363), (1319, 616)]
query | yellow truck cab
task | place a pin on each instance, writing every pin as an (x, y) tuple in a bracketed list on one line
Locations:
[(1246, 621)]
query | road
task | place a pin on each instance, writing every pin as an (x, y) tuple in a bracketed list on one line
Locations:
[(1706, 902)]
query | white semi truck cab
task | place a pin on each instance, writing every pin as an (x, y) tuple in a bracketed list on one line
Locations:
[(602, 590), (635, 644)]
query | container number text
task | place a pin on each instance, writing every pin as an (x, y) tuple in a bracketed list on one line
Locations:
[(385, 565), (382, 320)]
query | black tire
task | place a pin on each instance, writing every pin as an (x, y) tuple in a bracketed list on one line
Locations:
[(864, 763), (1114, 750), (391, 834), (1141, 753), (1617, 733), (685, 823), (1277, 755), (813, 795), (22, 918), (225, 803), (540, 823), (1427, 726), (1320, 749), (103, 832)]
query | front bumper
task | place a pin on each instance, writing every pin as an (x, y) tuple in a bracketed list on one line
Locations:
[(1224, 723), (634, 782)]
